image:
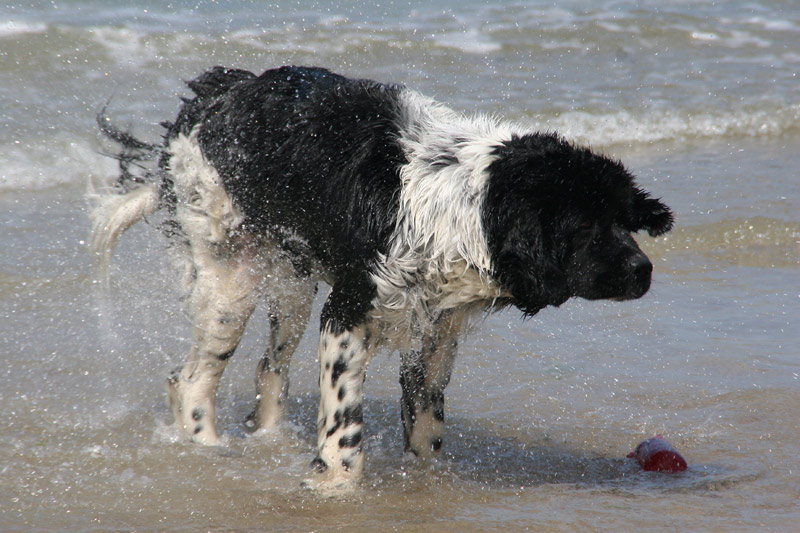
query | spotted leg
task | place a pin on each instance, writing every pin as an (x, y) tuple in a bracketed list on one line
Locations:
[(223, 297), (345, 349), (288, 319), (424, 374)]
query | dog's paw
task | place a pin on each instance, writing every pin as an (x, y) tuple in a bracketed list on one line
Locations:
[(328, 482), (174, 393)]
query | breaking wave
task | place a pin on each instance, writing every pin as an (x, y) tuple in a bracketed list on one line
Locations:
[(626, 127)]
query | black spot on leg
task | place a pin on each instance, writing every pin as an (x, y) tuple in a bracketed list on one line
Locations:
[(333, 428), (437, 399), (281, 347), (350, 441), (342, 393), (318, 465), (174, 376), (225, 356), (197, 414), (353, 414), (436, 444), (339, 368), (198, 429), (274, 322), (263, 365)]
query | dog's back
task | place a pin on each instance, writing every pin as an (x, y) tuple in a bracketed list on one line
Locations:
[(290, 147)]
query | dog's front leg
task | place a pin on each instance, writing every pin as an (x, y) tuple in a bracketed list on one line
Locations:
[(424, 374), (345, 349), (343, 358)]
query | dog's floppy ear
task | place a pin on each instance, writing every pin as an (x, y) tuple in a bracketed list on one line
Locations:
[(650, 214), (525, 268)]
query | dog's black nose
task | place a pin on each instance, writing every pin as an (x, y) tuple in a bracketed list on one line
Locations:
[(641, 266)]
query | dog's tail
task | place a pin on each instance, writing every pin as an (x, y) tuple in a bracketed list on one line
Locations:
[(135, 195), (142, 186)]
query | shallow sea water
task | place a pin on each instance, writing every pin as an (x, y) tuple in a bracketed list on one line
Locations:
[(699, 100)]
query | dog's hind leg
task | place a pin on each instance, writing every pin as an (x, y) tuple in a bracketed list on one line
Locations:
[(288, 318), (424, 374), (224, 295), (227, 282)]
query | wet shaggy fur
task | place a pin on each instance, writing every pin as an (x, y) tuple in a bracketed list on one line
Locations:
[(416, 216)]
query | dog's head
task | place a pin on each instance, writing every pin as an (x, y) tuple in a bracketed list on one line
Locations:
[(559, 219)]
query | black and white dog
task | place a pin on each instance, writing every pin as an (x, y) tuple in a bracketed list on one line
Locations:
[(417, 217)]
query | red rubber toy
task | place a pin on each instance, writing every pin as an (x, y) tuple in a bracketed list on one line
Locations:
[(657, 455)]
